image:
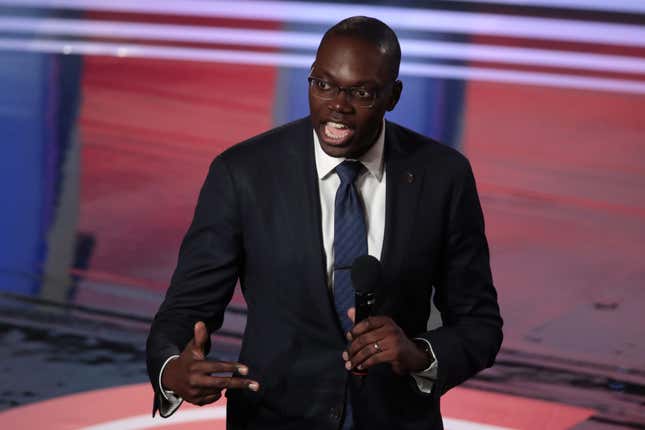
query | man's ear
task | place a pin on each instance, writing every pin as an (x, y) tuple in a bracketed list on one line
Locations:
[(397, 87)]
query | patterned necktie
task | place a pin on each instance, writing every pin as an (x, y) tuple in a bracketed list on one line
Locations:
[(350, 242), (350, 237)]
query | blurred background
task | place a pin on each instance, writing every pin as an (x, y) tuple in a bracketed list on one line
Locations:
[(111, 112)]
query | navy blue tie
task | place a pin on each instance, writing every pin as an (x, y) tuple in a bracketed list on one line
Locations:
[(350, 238), (350, 242)]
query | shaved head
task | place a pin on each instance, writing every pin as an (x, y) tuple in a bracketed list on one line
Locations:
[(373, 31)]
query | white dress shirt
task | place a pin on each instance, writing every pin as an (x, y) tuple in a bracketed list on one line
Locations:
[(371, 187)]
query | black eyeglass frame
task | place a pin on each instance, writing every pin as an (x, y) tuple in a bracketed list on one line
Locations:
[(336, 89)]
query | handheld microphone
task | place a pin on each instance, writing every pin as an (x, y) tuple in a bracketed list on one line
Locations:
[(366, 277)]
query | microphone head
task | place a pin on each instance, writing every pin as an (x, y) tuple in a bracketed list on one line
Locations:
[(366, 274)]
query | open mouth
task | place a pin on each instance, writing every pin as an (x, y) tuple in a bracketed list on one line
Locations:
[(336, 133)]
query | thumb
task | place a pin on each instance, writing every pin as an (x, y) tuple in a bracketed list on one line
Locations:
[(351, 313), (199, 340)]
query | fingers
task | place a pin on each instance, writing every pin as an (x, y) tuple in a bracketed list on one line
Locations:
[(205, 389), (202, 375), (200, 338), (368, 357), (368, 324), (351, 313), (368, 340), (377, 351), (211, 366), (374, 340), (207, 384), (202, 386)]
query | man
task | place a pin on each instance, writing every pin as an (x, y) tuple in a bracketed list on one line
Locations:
[(286, 213)]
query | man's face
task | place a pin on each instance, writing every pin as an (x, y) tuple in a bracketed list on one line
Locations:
[(345, 129)]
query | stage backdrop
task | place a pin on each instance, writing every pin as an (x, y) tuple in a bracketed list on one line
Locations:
[(111, 112)]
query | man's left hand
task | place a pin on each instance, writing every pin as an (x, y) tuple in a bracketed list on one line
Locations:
[(378, 339)]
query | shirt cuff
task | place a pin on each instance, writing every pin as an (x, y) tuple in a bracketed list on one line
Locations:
[(426, 378), (169, 402)]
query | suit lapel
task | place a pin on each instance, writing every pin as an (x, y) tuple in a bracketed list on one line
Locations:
[(404, 182)]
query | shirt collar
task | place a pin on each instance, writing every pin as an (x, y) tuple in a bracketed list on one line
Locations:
[(372, 159)]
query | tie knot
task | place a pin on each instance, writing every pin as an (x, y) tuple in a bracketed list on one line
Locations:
[(348, 171)]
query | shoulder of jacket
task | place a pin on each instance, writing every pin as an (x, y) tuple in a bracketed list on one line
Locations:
[(268, 141), (427, 147)]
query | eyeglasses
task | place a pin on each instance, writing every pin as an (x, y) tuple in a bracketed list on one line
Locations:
[(358, 96)]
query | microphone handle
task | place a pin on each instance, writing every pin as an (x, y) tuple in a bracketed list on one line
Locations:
[(364, 303)]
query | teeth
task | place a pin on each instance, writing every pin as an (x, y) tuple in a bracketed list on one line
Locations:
[(329, 135), (336, 131)]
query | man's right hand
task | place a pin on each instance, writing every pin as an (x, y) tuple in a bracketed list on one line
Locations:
[(191, 377)]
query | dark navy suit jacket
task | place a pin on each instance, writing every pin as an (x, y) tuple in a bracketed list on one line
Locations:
[(258, 219)]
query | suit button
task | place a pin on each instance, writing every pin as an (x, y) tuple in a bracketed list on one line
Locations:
[(334, 413)]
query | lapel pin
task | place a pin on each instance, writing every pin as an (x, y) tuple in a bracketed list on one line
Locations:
[(409, 177)]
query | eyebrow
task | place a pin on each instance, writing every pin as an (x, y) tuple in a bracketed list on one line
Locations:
[(319, 73), (327, 77)]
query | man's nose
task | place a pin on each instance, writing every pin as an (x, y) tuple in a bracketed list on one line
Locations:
[(341, 102)]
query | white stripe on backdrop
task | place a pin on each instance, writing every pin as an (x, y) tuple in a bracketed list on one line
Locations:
[(399, 18), (304, 61), (282, 39), (621, 6)]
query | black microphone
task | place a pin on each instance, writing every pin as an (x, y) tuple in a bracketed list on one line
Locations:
[(366, 277)]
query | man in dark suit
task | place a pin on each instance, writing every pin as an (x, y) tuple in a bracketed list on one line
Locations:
[(280, 211)]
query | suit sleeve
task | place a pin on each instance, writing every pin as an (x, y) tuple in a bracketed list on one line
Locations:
[(210, 260), (471, 334)]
